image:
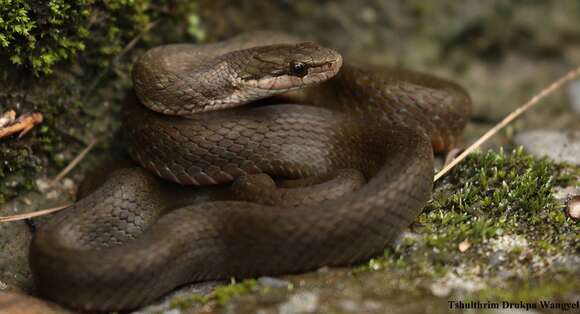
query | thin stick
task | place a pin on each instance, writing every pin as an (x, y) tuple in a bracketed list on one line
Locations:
[(85, 151), (33, 214), (136, 39), (126, 49), (516, 113), (75, 161)]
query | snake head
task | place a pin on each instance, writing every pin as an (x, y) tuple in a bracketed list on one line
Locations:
[(182, 79), (279, 68)]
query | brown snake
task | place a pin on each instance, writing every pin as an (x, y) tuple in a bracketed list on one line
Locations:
[(353, 164)]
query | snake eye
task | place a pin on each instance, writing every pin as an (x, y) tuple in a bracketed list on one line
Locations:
[(298, 68)]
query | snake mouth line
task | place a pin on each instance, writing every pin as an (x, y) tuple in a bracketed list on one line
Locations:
[(330, 66), (283, 83)]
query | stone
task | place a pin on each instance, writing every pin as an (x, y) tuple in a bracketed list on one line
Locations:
[(556, 145)]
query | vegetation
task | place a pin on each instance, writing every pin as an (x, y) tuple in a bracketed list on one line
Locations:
[(221, 295), (70, 60), (37, 36), (503, 206)]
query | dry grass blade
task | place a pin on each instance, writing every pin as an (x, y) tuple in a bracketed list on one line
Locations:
[(75, 161), (85, 151), (508, 119), (33, 214), (134, 41), (10, 125)]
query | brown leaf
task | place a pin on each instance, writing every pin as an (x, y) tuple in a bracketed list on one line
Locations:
[(464, 245)]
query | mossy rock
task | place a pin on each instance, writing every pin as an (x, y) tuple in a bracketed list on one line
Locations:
[(70, 61)]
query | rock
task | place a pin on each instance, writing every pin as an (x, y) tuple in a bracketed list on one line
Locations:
[(574, 95), (507, 243), (444, 286), (370, 305), (558, 146), (14, 241), (401, 238), (166, 304), (348, 305), (505, 274), (497, 258), (303, 302), (43, 184), (16, 303), (573, 207), (273, 282), (440, 289), (564, 194), (567, 262)]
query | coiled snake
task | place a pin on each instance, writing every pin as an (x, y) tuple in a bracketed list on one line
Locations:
[(351, 150)]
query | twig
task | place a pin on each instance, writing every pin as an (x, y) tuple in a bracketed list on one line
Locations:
[(33, 214), (516, 113), (126, 49), (136, 39), (75, 161), (90, 146), (21, 125)]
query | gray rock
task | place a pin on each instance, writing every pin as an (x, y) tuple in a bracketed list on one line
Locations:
[(558, 146), (164, 305), (563, 194), (303, 302), (273, 282), (497, 258), (14, 241), (573, 207), (505, 274), (348, 305), (574, 95)]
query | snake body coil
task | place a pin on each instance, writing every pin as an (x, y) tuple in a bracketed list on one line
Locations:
[(353, 163)]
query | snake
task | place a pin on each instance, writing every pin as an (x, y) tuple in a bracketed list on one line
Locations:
[(325, 164)]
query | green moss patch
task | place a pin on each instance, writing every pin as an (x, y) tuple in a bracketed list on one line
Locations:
[(71, 61), (220, 295), (554, 285), (494, 194), (503, 206), (38, 35)]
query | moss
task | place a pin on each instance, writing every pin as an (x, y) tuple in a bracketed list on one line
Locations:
[(27, 36), (550, 286), (494, 194), (189, 301), (500, 203), (221, 295), (194, 27), (39, 35), (19, 158), (80, 44)]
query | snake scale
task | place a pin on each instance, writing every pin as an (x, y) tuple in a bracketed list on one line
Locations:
[(330, 173)]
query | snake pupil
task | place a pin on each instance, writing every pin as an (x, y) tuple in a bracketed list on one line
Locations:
[(298, 68)]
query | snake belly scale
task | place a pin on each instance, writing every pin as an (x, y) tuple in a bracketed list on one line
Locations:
[(195, 122)]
